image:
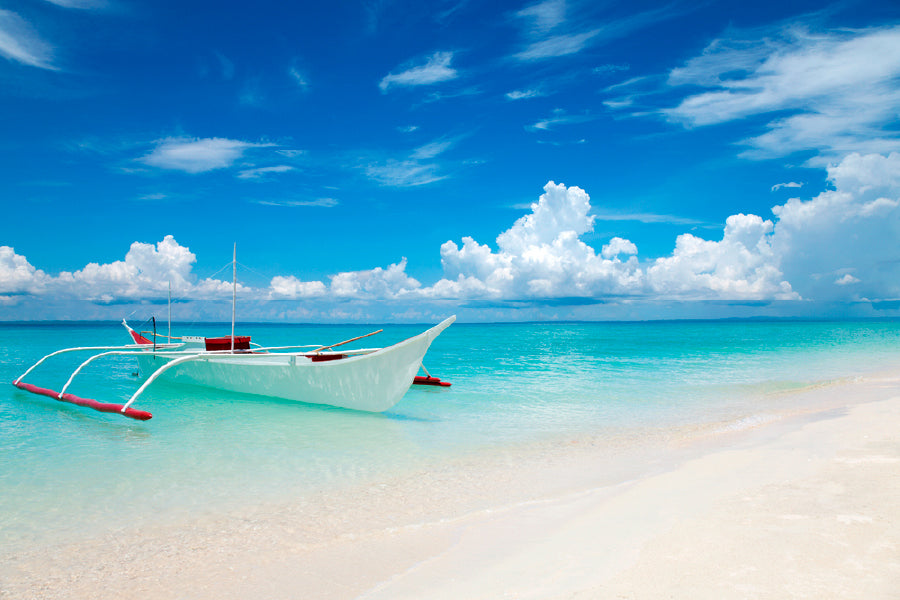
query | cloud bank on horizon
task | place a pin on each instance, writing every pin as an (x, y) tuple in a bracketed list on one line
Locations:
[(837, 246), (814, 98)]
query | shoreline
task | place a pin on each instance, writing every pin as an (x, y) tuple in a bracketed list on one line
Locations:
[(567, 519)]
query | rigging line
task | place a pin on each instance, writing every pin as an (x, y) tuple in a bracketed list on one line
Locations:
[(179, 297), (185, 298), (253, 270), (194, 322), (230, 264), (220, 270)]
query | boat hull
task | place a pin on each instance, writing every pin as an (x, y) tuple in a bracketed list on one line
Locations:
[(372, 382)]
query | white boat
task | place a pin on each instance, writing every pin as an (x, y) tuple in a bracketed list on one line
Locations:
[(369, 379)]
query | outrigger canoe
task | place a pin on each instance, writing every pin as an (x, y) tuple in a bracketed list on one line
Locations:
[(372, 379)]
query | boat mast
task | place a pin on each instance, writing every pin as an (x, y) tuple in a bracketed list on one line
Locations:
[(170, 312), (233, 292)]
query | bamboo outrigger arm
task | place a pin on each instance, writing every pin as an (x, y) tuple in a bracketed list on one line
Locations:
[(93, 348), (130, 349), (95, 357), (157, 373)]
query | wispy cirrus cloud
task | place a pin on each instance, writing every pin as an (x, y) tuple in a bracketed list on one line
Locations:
[(559, 117), (789, 184), (320, 202), (432, 149), (261, 172), (610, 68), (299, 77), (193, 155), (19, 42), (557, 45), (153, 196), (633, 94), (81, 4), (225, 65), (834, 92), (524, 94), (555, 82), (435, 70), (553, 33), (418, 167), (404, 173), (543, 16), (648, 218)]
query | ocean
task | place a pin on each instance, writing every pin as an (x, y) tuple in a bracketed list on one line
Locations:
[(67, 473)]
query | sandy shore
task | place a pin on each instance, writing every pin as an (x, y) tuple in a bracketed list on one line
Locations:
[(801, 504)]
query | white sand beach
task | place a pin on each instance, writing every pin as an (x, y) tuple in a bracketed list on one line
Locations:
[(800, 504)]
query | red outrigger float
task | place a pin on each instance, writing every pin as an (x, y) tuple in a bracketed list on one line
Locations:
[(140, 415)]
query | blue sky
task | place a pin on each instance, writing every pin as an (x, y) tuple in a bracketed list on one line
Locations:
[(400, 161)]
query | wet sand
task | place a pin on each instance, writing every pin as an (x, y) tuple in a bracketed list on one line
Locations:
[(802, 503)]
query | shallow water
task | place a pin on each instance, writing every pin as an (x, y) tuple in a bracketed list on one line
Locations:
[(67, 471)]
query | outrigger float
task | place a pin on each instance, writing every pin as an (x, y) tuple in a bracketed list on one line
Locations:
[(368, 379)]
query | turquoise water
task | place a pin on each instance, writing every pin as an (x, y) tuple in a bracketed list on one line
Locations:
[(66, 470)]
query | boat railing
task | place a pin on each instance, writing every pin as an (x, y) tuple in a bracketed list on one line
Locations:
[(261, 352)]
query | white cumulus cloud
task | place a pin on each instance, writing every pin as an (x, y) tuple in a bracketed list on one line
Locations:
[(292, 287), (18, 276), (854, 226), (740, 266), (617, 246), (540, 256), (145, 272), (374, 283), (839, 246)]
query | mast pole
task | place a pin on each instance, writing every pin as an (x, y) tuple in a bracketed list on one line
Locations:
[(233, 292), (170, 312)]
